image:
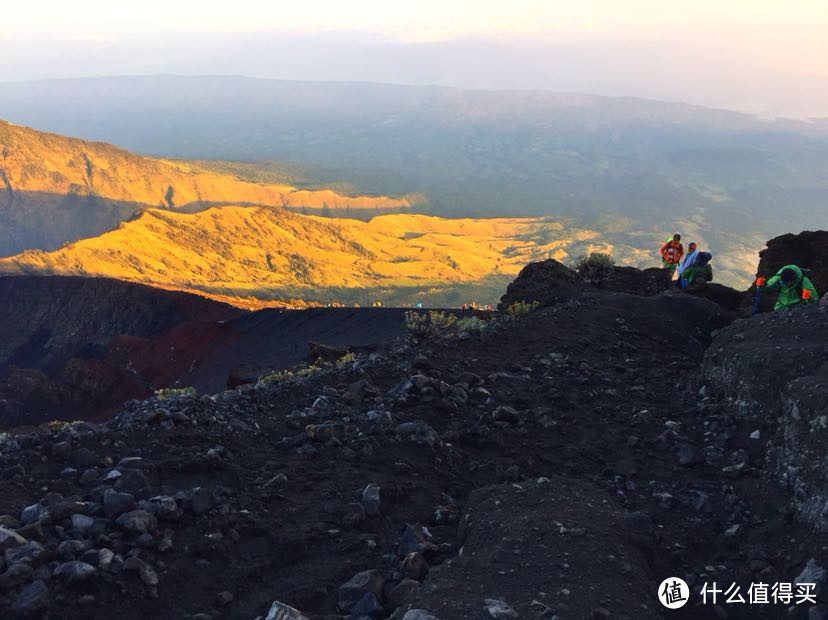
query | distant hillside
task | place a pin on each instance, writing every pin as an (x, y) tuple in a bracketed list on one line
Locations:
[(724, 179), (77, 347), (55, 189), (237, 253)]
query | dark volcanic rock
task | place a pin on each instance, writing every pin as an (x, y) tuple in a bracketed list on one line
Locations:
[(246, 374), (116, 503), (33, 599), (350, 593), (728, 298), (549, 282), (771, 368), (9, 539), (256, 491), (651, 281), (74, 573), (137, 521), (280, 611), (808, 250), (546, 282), (538, 526)]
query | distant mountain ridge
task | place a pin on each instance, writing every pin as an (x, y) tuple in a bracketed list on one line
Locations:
[(55, 189), (723, 179)]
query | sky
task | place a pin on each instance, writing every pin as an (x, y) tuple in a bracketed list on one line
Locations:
[(769, 57)]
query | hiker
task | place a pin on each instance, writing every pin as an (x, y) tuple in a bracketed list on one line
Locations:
[(795, 289), (686, 262), (699, 272), (671, 253)]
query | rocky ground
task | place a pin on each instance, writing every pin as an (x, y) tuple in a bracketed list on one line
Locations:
[(555, 465)]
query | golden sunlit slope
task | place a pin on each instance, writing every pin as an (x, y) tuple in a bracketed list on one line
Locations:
[(271, 253), (55, 189)]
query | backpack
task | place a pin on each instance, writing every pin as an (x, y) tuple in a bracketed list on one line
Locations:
[(801, 286), (702, 259)]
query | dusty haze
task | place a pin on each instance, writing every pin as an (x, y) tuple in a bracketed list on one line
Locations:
[(762, 57)]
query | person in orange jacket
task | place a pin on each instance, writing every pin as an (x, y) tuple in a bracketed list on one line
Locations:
[(671, 254)]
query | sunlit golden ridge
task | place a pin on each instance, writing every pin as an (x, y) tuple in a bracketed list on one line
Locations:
[(34, 161), (273, 254)]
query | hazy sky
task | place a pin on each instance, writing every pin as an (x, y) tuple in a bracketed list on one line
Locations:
[(766, 56)]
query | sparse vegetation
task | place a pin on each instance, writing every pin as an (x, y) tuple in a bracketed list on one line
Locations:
[(58, 425), (595, 268), (521, 308), (301, 372), (428, 324), (290, 373), (170, 393), (345, 360), (471, 324)]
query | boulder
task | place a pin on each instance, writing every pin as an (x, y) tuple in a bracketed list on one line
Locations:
[(351, 592), (74, 573), (400, 592), (498, 610), (163, 507), (15, 575), (137, 521), (417, 432), (635, 281), (280, 611), (32, 552), (371, 500), (116, 503), (546, 282), (9, 539), (32, 600), (418, 614), (414, 566)]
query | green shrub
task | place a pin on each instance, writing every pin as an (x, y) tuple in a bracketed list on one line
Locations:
[(428, 324), (595, 268), (471, 324), (288, 373), (520, 308), (169, 393), (346, 360)]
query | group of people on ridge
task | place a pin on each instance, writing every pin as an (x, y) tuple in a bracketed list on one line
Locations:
[(693, 270)]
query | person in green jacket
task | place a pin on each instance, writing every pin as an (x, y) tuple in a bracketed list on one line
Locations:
[(795, 289), (700, 272)]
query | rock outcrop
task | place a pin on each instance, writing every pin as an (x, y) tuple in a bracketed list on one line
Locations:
[(771, 373), (808, 249), (546, 282), (549, 282)]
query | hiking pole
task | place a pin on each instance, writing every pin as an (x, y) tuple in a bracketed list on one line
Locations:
[(756, 297)]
